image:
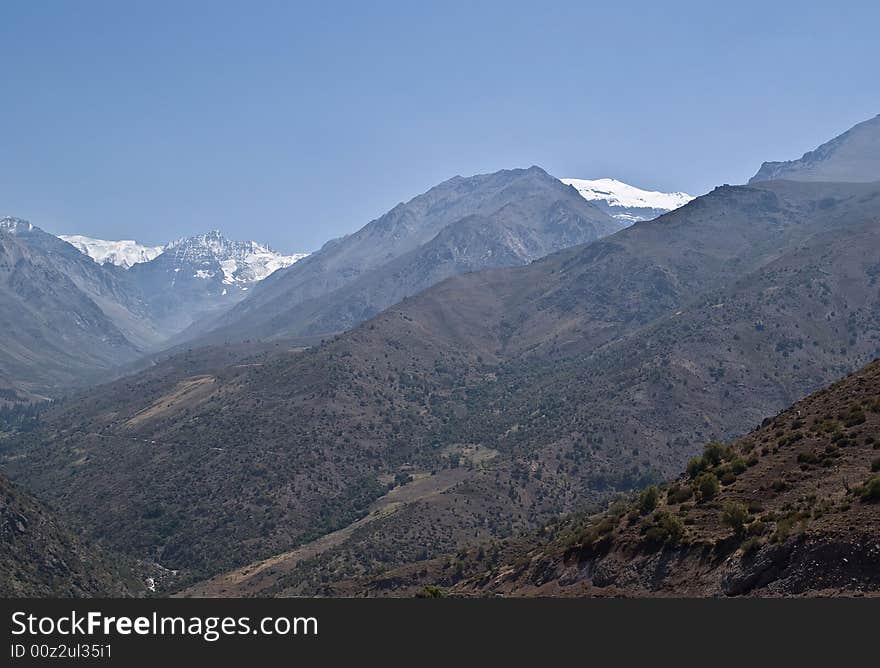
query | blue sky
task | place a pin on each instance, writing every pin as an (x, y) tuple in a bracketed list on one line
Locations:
[(293, 123)]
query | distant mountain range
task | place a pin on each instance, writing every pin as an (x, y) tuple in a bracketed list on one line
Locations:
[(69, 317), (240, 261), (181, 293), (483, 406)]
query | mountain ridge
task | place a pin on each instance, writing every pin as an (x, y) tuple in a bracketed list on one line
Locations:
[(527, 206), (853, 156)]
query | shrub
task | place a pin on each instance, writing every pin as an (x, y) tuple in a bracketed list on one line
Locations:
[(696, 466), (648, 500), (735, 515), (779, 485), (679, 493), (854, 418), (707, 486), (739, 465), (713, 453), (807, 458), (431, 591), (871, 491), (875, 465), (665, 528)]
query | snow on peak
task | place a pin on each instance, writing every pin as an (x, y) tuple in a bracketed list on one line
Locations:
[(241, 262), (15, 225), (123, 253), (626, 202)]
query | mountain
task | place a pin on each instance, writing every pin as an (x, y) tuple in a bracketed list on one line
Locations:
[(65, 319), (507, 218), (853, 156), (123, 253), (625, 202), (242, 262), (41, 557), (791, 509), (484, 406), (204, 274), (69, 319)]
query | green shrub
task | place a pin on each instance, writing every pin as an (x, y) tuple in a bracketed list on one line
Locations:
[(738, 465), (707, 486), (735, 515), (665, 528), (871, 490), (875, 465), (713, 453), (696, 466), (679, 493), (648, 500), (431, 591), (807, 458)]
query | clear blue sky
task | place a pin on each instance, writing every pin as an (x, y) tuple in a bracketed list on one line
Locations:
[(295, 122)]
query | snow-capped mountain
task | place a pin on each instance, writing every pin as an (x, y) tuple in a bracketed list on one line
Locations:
[(625, 202), (15, 225), (239, 262), (123, 253), (205, 273), (187, 278)]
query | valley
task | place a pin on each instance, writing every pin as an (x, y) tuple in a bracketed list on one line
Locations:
[(479, 371)]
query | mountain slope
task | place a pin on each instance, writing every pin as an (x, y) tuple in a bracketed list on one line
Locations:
[(64, 318), (597, 369), (796, 512), (625, 202), (853, 156), (41, 557), (507, 218)]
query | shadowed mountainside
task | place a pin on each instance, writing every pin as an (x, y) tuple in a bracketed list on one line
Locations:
[(41, 557)]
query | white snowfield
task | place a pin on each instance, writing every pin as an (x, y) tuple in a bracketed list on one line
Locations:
[(242, 262), (123, 253), (618, 196)]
